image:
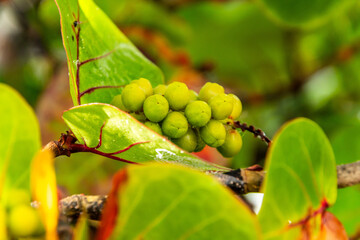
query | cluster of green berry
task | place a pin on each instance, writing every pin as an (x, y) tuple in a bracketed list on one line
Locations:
[(22, 219), (189, 119)]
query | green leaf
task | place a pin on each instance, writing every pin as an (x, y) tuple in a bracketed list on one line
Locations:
[(85, 28), (293, 12), (300, 177), (120, 131), (19, 141), (157, 201)]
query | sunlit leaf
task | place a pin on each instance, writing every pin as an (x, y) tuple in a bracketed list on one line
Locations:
[(157, 201), (44, 191), (19, 141), (300, 179), (331, 229), (120, 130), (87, 34)]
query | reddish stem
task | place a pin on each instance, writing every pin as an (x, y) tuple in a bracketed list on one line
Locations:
[(74, 148), (76, 29), (90, 90), (324, 205)]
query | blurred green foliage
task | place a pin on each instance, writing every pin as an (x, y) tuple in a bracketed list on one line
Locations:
[(284, 59)]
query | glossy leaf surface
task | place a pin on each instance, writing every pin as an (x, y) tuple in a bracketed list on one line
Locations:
[(87, 34), (300, 178), (180, 203), (120, 130), (19, 141)]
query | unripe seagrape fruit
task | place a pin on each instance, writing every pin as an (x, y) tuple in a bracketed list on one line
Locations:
[(154, 126), (178, 95), (187, 142), (174, 125), (140, 116), (213, 133), (160, 89), (145, 85), (133, 97), (198, 113), (232, 144), (193, 96), (117, 102), (221, 106), (210, 90), (206, 113), (23, 221), (235, 114), (156, 107)]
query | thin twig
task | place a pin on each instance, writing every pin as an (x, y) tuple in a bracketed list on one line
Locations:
[(77, 204), (67, 145), (348, 174), (257, 132)]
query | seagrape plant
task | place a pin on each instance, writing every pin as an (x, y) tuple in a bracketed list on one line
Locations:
[(124, 110)]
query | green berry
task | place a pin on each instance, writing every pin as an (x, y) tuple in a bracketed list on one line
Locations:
[(178, 96), (232, 144), (154, 126), (133, 97), (160, 89), (140, 116), (221, 106), (156, 107), (213, 133), (175, 125), (198, 113), (145, 85), (117, 102), (235, 114), (200, 143), (23, 221), (193, 96), (187, 142), (210, 90)]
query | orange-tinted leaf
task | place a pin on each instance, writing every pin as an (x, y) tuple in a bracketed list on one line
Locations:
[(111, 208), (43, 187), (331, 228)]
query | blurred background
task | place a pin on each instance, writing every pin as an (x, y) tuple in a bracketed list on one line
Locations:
[(284, 59)]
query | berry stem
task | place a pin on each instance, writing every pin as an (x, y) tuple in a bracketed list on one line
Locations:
[(257, 132)]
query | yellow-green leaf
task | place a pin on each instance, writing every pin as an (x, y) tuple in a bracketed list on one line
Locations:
[(44, 191)]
